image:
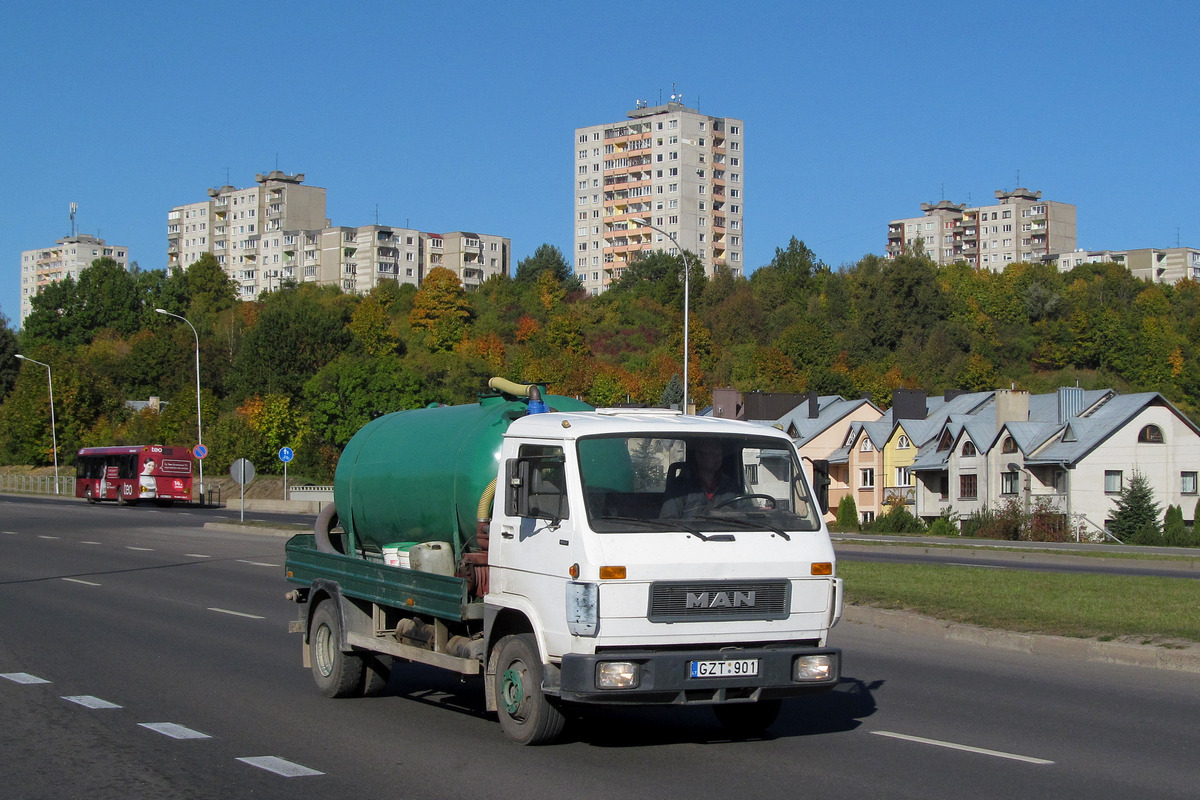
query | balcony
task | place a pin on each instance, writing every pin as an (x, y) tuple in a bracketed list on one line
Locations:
[(905, 495)]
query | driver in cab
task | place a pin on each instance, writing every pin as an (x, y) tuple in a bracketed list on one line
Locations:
[(702, 485)]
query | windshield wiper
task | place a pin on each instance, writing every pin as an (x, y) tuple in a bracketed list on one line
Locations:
[(666, 526), (756, 525)]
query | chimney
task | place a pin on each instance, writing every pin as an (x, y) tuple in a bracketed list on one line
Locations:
[(1070, 402), (1011, 406), (908, 404), (814, 405)]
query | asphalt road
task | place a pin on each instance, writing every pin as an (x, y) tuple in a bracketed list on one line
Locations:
[(144, 656)]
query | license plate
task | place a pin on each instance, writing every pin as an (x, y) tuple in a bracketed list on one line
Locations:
[(725, 668)]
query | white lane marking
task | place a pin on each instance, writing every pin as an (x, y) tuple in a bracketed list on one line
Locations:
[(22, 677), (976, 566), (88, 701), (91, 542), (280, 766), (11, 533), (174, 731), (81, 580), (131, 547), (41, 536), (963, 747), (256, 563), (236, 613), (195, 555)]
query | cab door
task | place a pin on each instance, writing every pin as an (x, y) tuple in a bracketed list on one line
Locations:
[(531, 552)]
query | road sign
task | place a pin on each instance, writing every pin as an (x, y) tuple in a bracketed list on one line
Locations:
[(200, 451), (286, 454), (242, 471)]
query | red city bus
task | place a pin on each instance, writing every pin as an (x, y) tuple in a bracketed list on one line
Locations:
[(131, 473)]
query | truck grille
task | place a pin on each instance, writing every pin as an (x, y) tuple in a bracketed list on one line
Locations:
[(689, 601)]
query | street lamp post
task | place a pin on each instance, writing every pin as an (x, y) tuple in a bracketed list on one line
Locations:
[(199, 427), (53, 431), (686, 296)]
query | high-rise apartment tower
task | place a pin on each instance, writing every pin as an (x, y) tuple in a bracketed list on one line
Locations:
[(679, 169)]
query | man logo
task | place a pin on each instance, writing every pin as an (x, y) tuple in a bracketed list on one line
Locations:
[(720, 600)]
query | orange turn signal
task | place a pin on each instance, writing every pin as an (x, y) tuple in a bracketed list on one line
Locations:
[(822, 568), (612, 573), (574, 572)]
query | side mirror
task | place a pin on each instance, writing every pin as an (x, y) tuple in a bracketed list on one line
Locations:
[(821, 483)]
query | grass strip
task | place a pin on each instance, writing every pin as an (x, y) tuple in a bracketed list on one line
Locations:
[(1144, 609)]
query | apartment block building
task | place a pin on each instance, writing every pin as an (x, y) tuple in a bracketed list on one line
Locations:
[(1020, 226), (67, 257), (277, 231), (1154, 264), (669, 164)]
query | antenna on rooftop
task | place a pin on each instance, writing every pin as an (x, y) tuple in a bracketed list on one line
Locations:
[(75, 207)]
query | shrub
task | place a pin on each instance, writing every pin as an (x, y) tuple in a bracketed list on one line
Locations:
[(847, 514), (898, 520)]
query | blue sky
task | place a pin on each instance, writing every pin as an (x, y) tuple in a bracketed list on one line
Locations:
[(460, 115)]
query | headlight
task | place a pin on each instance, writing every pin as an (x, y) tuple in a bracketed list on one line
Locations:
[(815, 668), (583, 609), (618, 675)]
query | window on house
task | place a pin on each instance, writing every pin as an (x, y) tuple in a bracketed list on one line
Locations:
[(903, 476), (1113, 479), (866, 478), (1010, 482), (1009, 445), (903, 443), (1151, 434), (866, 446), (968, 450), (968, 487), (1187, 482), (868, 517)]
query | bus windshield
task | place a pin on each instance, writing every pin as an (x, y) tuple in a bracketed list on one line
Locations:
[(694, 482)]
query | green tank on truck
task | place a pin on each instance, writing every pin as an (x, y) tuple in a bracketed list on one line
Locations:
[(418, 476)]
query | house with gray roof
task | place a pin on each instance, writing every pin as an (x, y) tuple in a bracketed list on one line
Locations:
[(1069, 453)]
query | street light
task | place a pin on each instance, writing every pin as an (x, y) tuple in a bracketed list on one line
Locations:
[(199, 428), (686, 293), (53, 432)]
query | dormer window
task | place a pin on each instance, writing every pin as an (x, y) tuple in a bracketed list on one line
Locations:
[(866, 446), (1009, 445), (968, 450), (1151, 434), (903, 443)]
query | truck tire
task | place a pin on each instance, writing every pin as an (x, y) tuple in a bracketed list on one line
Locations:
[(337, 674), (527, 715), (742, 720)]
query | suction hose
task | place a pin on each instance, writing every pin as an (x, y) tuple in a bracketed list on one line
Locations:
[(530, 390)]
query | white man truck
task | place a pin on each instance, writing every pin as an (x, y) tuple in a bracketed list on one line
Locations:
[(528, 539)]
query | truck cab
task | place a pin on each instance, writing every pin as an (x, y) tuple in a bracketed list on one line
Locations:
[(646, 582)]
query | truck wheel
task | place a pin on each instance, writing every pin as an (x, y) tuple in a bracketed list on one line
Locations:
[(527, 716), (741, 720), (337, 674)]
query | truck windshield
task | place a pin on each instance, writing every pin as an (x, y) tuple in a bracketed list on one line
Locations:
[(694, 482)]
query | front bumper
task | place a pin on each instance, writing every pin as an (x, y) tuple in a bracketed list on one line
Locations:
[(665, 677)]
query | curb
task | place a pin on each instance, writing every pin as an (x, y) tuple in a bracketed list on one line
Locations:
[(259, 529), (1186, 659)]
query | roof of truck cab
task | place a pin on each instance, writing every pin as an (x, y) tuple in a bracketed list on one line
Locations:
[(602, 421)]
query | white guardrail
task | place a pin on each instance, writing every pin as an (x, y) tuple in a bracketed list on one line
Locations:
[(320, 494), (38, 484)]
